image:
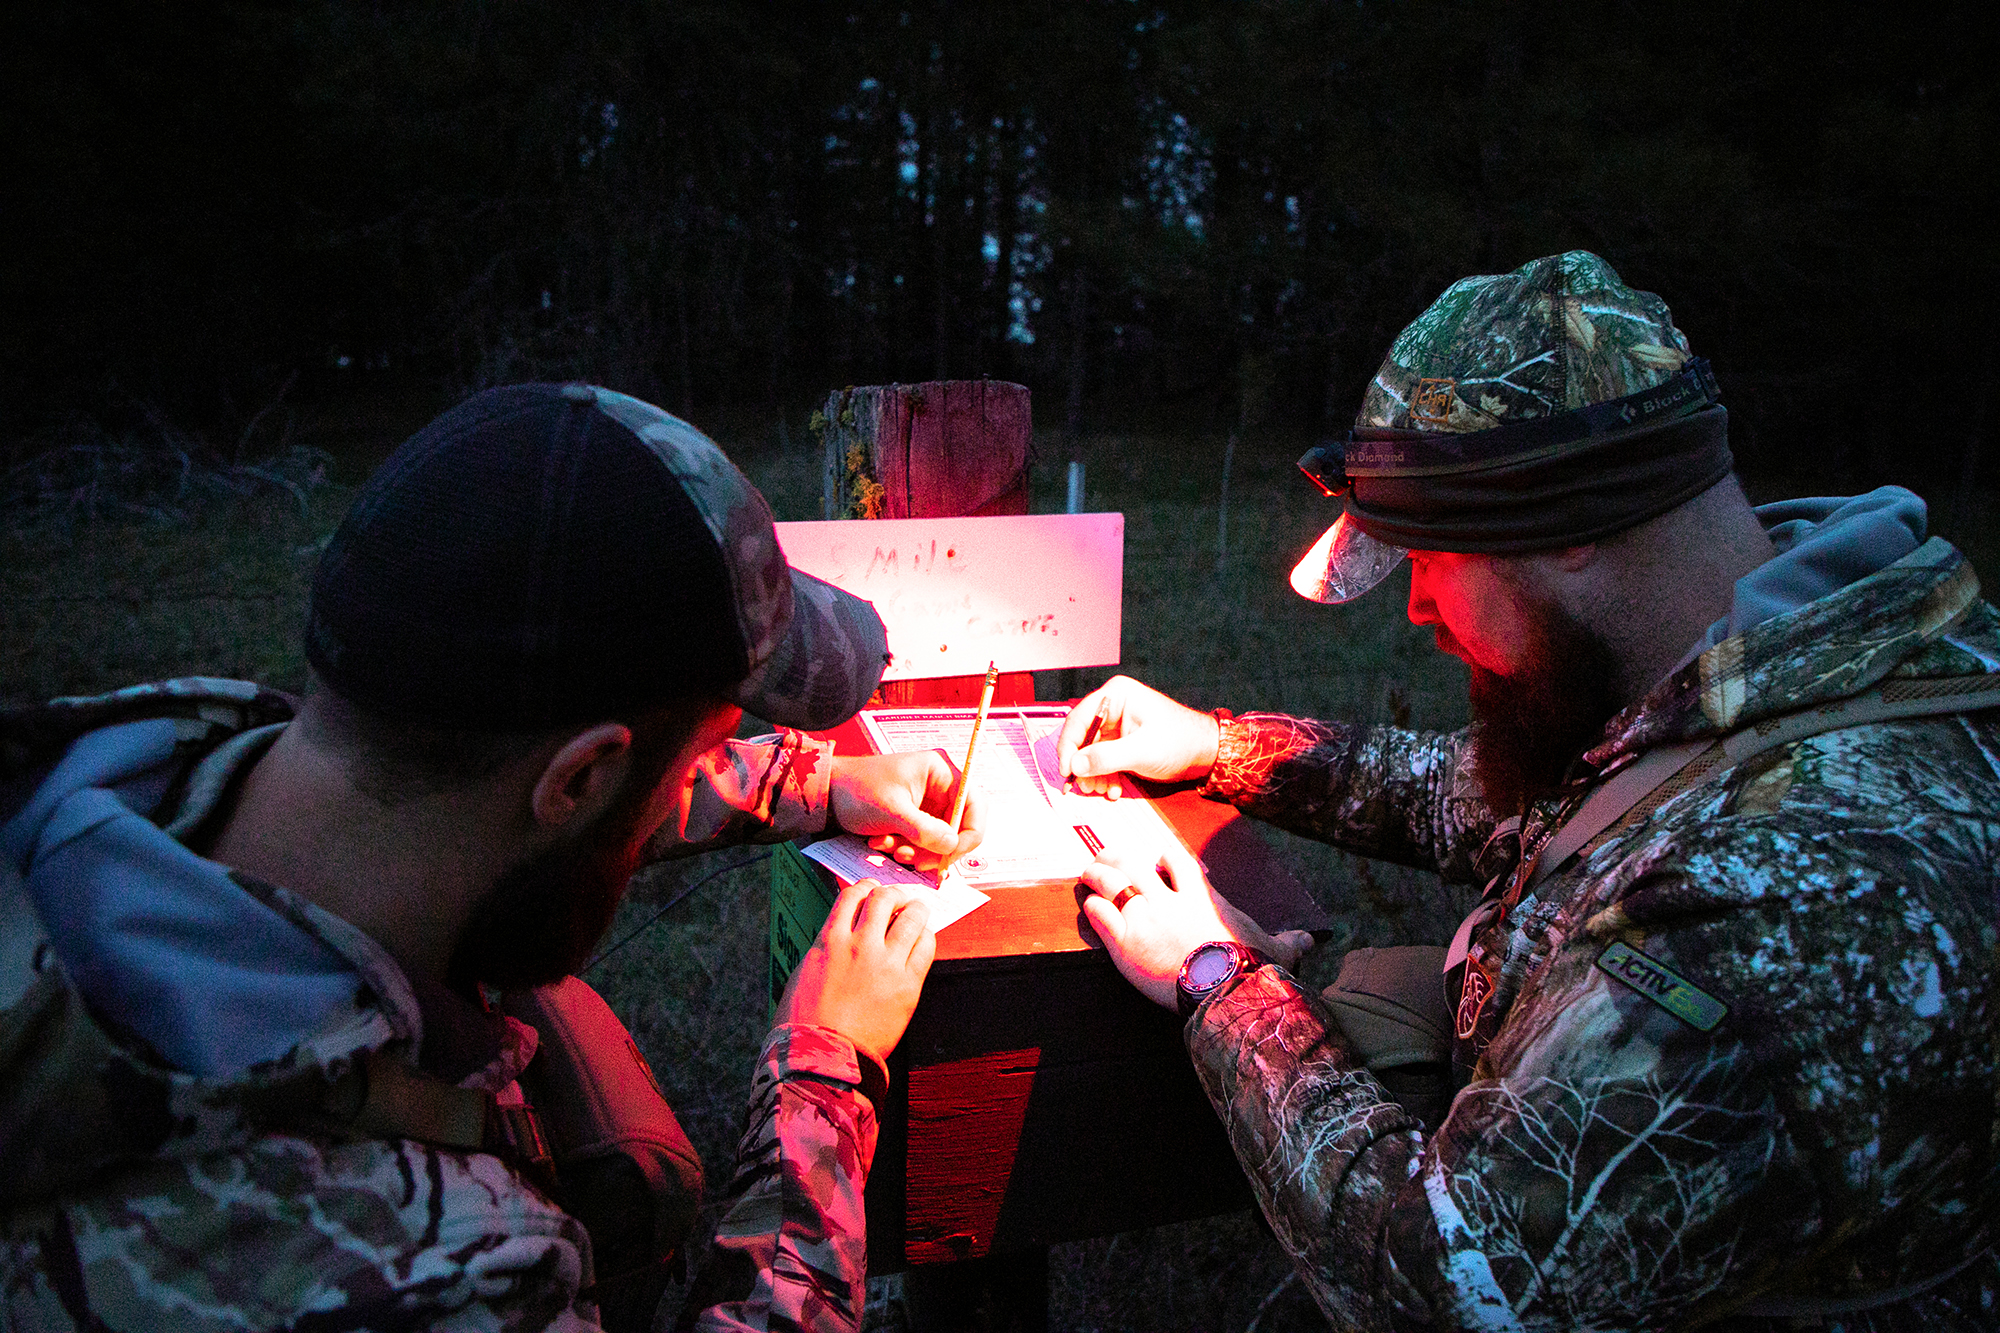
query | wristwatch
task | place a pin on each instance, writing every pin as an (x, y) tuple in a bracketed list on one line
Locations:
[(1207, 966)]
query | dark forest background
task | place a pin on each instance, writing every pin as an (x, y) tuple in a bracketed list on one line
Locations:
[(244, 223)]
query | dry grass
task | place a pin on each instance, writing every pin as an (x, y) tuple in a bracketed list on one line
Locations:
[(92, 606)]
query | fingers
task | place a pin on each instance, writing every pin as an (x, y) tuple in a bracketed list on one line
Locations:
[(879, 910), (926, 831), (840, 921), (1121, 883), (1105, 876), (1293, 945), (922, 953), (1119, 755), (1079, 727), (970, 835), (1132, 866), (1106, 921), (906, 928), (973, 825), (1181, 869)]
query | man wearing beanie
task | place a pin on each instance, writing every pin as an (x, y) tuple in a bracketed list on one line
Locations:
[(1716, 1046), (288, 1031)]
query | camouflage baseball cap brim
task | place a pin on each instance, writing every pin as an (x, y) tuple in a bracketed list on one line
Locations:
[(826, 665), (816, 653), (1344, 563)]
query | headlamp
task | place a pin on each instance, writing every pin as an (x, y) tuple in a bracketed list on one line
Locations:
[(1325, 466)]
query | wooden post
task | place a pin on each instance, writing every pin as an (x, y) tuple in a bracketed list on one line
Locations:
[(945, 449)]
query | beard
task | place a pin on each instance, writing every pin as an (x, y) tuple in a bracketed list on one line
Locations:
[(541, 919), (1529, 727)]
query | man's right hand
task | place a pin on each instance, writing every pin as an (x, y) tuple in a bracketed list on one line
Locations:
[(862, 976), (1123, 727)]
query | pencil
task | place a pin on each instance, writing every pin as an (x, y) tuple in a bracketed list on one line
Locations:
[(1096, 723), (978, 721)]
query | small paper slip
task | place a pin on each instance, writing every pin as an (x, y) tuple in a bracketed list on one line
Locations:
[(1036, 827), (851, 858)]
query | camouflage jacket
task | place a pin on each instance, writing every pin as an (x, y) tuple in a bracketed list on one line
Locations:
[(137, 1195), (1611, 1165)]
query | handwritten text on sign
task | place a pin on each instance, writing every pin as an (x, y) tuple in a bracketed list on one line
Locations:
[(1032, 593)]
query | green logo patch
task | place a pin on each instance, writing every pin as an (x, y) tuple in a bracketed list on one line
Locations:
[(1664, 987)]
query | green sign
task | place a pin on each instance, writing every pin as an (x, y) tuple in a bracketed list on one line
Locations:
[(802, 895), (1663, 986)]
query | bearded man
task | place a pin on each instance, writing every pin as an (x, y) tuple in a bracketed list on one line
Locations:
[(1716, 1047), (288, 1031)]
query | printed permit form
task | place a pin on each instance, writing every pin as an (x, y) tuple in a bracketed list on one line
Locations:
[(851, 858), (1037, 828)]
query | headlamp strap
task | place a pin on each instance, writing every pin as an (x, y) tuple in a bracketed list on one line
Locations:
[(1376, 451)]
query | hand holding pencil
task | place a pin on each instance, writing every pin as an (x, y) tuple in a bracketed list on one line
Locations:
[(899, 802), (1124, 727)]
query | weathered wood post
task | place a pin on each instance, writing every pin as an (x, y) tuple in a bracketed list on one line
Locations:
[(944, 449)]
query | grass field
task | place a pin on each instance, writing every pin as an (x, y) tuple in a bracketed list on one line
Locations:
[(85, 607)]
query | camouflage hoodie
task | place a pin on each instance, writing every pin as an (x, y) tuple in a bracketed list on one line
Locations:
[(168, 1029), (1827, 1141)]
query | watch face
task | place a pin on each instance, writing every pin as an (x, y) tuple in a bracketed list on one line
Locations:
[(1209, 965)]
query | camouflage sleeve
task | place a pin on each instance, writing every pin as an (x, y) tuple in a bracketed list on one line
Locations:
[(1404, 796), (770, 789), (791, 1252), (1565, 1192)]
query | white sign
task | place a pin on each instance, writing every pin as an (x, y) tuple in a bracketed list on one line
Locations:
[(1032, 592)]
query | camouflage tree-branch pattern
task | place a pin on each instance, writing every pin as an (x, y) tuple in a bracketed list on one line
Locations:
[(792, 1251), (1479, 356), (140, 1197), (1610, 1166)]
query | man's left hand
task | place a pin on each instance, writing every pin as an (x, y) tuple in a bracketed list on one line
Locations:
[(1167, 917), (900, 803)]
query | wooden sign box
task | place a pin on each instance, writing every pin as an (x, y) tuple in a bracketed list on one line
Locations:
[(1037, 1097)]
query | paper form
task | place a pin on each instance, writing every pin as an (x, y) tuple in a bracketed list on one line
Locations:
[(850, 857), (1036, 827)]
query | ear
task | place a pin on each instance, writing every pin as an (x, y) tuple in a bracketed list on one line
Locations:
[(581, 779)]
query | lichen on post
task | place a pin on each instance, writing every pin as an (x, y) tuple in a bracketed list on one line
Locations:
[(945, 449)]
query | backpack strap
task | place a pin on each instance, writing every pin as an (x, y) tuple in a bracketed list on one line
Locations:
[(383, 1098), (1634, 792)]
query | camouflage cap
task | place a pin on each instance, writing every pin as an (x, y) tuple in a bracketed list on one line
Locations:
[(1553, 335), (1545, 407), (546, 554)]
